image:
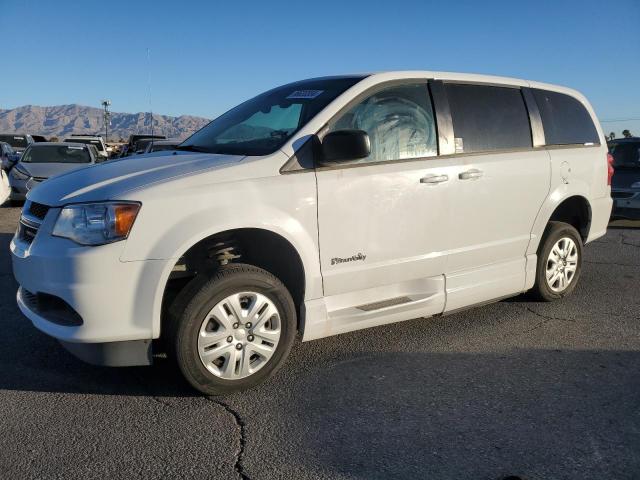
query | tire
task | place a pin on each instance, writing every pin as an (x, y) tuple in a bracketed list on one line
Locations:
[(214, 297), (550, 290)]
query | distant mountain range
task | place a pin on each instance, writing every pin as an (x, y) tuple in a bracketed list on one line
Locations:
[(61, 120)]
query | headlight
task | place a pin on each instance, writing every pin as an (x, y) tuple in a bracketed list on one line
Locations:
[(18, 174), (96, 223), (635, 185)]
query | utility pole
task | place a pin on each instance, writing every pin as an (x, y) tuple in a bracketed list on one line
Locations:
[(107, 119)]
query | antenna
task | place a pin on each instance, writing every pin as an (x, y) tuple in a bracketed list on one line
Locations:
[(107, 118), (149, 89)]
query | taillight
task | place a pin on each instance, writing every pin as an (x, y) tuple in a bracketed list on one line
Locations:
[(610, 169)]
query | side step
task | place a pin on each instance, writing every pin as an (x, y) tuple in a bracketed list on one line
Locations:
[(369, 307)]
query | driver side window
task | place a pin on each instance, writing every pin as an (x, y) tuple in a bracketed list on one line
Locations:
[(399, 121)]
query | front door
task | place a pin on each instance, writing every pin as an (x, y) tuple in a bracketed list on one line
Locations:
[(384, 220)]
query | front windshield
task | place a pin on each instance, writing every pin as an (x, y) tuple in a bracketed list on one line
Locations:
[(625, 155), (56, 154), (263, 124), (16, 141), (95, 143)]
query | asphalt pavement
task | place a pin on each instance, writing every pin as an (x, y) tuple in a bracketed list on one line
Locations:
[(533, 390)]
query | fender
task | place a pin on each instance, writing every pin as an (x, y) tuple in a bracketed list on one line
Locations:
[(313, 279), (174, 226)]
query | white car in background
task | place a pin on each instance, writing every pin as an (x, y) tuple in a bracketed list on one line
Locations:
[(316, 208), (94, 140)]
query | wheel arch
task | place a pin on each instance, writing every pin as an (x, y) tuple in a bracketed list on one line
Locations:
[(572, 208), (576, 211), (261, 247)]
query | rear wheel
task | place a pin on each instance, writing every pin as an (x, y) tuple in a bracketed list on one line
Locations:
[(232, 330), (559, 262)]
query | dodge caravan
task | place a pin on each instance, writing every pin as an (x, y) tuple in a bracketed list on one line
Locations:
[(316, 208)]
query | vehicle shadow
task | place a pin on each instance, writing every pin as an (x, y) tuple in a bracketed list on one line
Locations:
[(12, 204), (623, 224), (534, 413)]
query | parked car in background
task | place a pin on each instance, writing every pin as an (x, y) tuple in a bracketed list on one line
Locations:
[(8, 156), (41, 161), (94, 140), (141, 146), (96, 153), (131, 147), (625, 186), (18, 141), (162, 145), (317, 208)]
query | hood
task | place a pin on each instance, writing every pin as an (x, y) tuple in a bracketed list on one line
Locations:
[(48, 170), (625, 177), (113, 178)]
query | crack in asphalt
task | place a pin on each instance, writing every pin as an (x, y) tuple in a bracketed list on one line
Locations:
[(629, 243), (240, 423), (546, 319)]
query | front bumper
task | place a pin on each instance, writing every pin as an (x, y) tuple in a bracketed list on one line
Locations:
[(115, 301)]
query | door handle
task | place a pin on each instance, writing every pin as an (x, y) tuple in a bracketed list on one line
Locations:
[(470, 174), (433, 179)]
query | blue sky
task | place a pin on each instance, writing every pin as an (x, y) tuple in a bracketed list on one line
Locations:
[(207, 56)]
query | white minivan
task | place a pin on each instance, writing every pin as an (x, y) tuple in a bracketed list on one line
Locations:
[(316, 208)]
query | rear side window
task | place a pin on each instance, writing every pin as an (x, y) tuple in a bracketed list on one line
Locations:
[(487, 118), (565, 119)]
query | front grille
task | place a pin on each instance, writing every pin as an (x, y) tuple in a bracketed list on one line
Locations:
[(52, 308), (27, 232), (38, 210)]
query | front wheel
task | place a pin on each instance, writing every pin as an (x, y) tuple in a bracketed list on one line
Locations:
[(559, 262), (232, 330)]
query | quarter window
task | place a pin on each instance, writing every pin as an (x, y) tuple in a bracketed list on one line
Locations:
[(399, 121), (565, 119), (487, 118)]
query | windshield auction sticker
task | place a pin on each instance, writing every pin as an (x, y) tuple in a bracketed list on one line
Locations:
[(305, 94)]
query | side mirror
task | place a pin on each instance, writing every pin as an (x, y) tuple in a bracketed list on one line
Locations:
[(345, 145)]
